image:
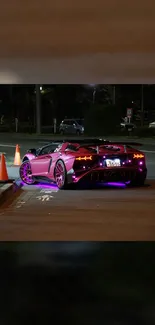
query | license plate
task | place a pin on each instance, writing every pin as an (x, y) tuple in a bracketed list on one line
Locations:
[(113, 163)]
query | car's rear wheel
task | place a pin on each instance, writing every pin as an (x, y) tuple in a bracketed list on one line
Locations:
[(60, 175), (26, 173)]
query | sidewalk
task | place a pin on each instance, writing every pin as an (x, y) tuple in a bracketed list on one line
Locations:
[(13, 172)]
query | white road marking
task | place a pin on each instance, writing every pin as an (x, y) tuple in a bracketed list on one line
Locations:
[(48, 191), (4, 153), (8, 145), (148, 151), (151, 162), (44, 197)]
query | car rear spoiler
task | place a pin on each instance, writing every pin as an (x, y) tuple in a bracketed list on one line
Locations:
[(113, 143), (85, 140), (92, 141), (137, 144), (98, 141)]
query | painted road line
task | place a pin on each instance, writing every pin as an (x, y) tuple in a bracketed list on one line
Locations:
[(8, 145), (148, 151), (150, 162)]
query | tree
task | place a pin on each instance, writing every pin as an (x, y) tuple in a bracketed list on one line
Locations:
[(102, 120)]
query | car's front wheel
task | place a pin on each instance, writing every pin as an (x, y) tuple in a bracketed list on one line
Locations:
[(26, 173), (60, 175)]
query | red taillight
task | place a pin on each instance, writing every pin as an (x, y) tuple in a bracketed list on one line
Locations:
[(84, 158), (138, 156)]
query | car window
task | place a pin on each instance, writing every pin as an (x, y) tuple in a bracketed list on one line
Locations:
[(58, 148), (67, 122), (49, 149), (80, 122)]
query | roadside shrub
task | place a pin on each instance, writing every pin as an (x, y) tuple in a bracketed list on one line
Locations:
[(102, 120)]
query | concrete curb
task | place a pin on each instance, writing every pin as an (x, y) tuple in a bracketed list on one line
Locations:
[(7, 190)]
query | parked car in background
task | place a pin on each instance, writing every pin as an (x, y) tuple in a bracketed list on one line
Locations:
[(72, 126), (152, 125), (127, 126)]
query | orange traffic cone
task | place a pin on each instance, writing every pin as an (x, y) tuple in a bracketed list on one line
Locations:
[(17, 160), (3, 170)]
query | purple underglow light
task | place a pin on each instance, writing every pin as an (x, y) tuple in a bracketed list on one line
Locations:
[(123, 163), (104, 157), (43, 185), (101, 164), (129, 161), (84, 167), (140, 169), (46, 186), (116, 184), (141, 163)]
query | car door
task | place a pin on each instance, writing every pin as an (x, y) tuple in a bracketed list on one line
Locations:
[(40, 165), (66, 126), (74, 127), (69, 126)]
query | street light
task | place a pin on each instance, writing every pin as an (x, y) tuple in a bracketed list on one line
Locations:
[(38, 109), (94, 91), (142, 105), (114, 95)]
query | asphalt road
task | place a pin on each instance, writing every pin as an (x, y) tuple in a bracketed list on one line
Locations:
[(44, 213)]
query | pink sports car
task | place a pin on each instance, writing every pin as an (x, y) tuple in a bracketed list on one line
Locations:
[(90, 160)]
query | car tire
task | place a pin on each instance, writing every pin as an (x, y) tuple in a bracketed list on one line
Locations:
[(78, 132), (25, 173), (60, 175)]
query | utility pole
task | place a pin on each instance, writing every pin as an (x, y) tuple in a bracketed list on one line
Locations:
[(94, 94), (114, 95), (38, 110), (142, 105)]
